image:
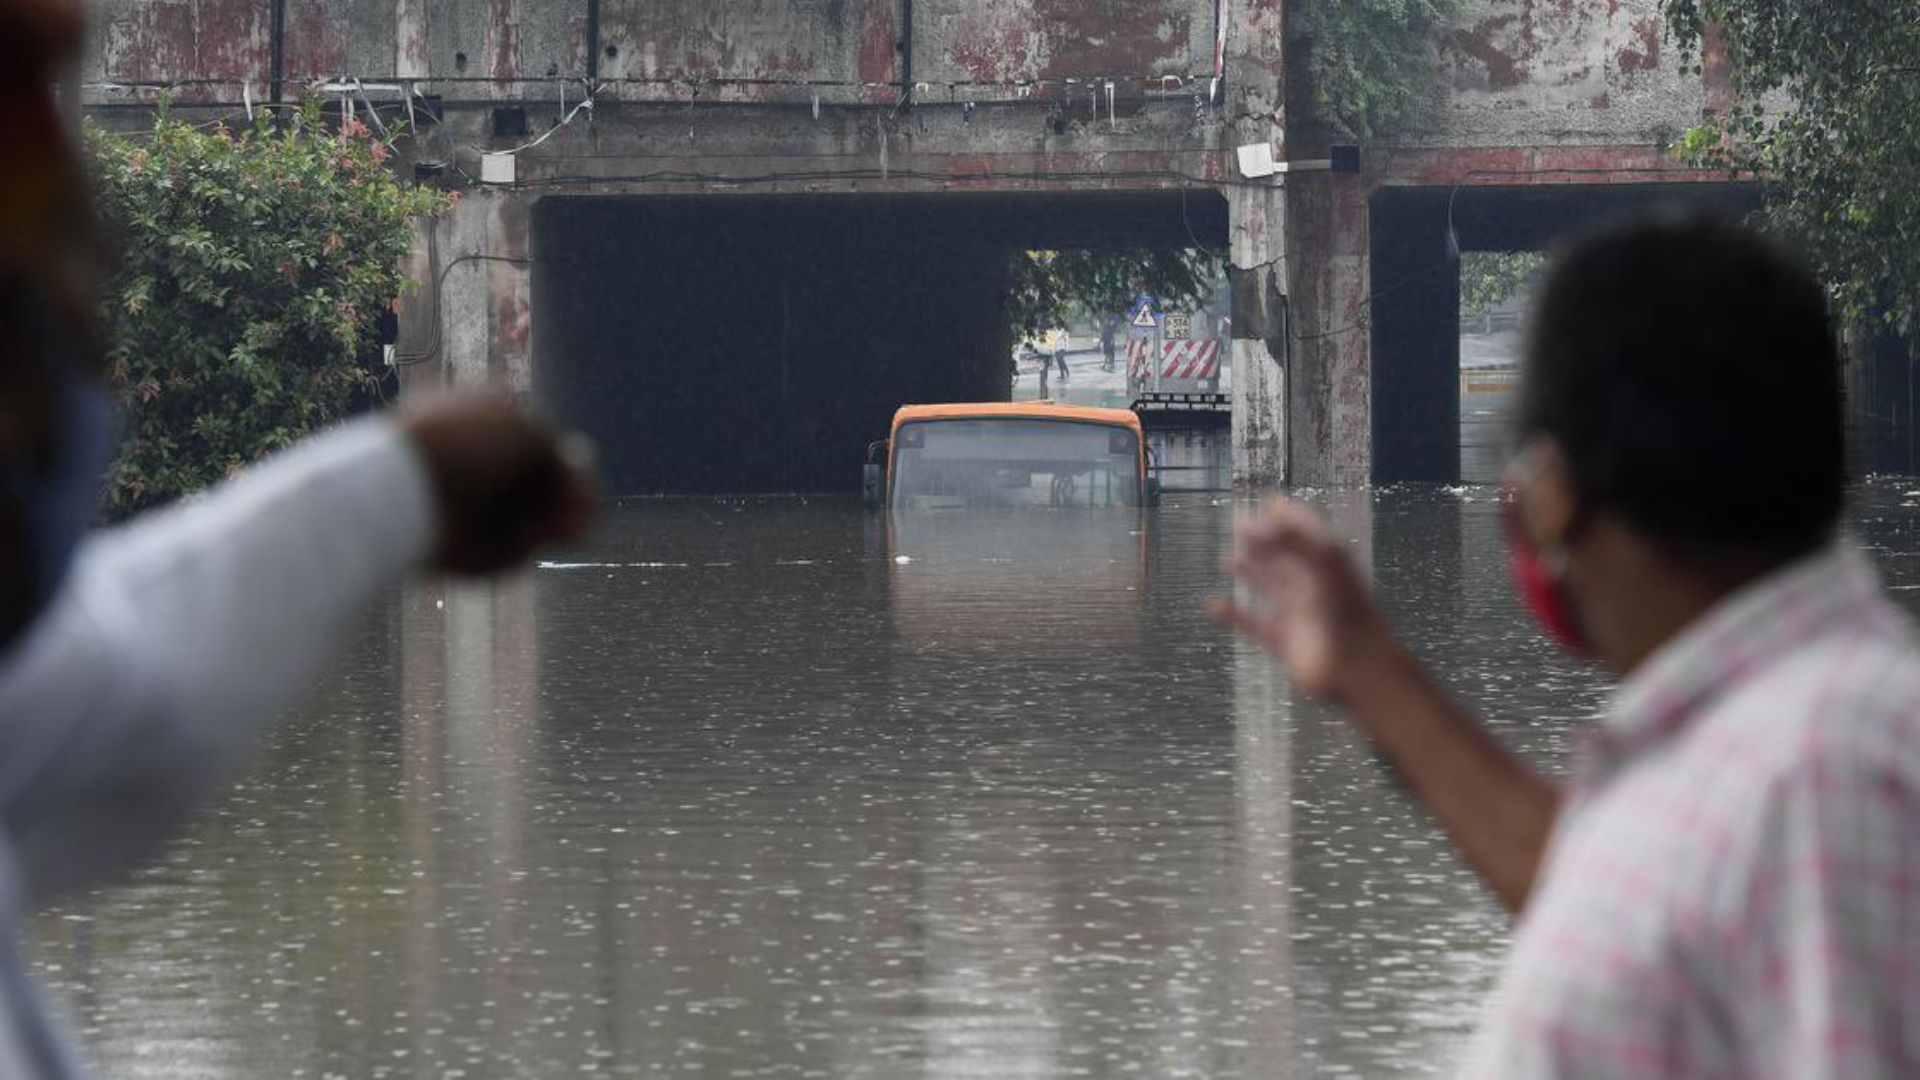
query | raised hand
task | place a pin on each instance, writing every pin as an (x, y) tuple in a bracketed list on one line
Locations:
[(1307, 602)]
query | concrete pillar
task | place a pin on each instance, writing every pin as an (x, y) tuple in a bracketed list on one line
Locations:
[(470, 323), (1253, 56), (1330, 419), (462, 306), (1260, 331)]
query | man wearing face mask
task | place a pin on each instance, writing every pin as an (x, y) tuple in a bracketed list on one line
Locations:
[(135, 665), (1728, 881)]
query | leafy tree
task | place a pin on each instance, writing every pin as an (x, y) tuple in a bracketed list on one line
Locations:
[(1488, 277), (1370, 64), (1048, 286), (252, 265), (1829, 114)]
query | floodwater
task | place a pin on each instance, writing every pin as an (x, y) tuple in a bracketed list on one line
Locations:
[(774, 789)]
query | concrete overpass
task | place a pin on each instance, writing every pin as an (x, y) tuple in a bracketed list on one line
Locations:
[(737, 232)]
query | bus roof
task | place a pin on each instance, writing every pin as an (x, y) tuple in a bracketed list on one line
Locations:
[(1017, 410)]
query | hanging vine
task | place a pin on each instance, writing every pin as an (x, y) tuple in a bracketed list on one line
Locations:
[(1369, 64), (1827, 109)]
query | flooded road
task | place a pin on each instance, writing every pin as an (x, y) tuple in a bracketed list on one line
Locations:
[(766, 789)]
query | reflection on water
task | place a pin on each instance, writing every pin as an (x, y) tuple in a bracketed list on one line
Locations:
[(771, 789), (966, 583)]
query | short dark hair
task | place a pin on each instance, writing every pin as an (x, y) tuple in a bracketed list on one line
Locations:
[(1689, 369)]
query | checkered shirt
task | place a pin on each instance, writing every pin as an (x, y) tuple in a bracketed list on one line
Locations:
[(1733, 886)]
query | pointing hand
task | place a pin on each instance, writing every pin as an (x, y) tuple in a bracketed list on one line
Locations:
[(507, 484)]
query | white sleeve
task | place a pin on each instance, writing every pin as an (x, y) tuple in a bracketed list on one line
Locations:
[(178, 637)]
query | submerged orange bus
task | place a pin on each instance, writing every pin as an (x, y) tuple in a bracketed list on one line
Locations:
[(1010, 455)]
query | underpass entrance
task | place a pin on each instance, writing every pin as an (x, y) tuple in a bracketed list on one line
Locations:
[(757, 344), (1435, 419)]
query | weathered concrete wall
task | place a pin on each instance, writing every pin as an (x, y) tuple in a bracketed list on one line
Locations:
[(852, 44), (1532, 94), (704, 50), (207, 49), (1004, 43), (163, 41), (1523, 72)]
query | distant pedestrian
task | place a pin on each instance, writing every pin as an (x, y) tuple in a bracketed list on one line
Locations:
[(1030, 354), (1108, 331), (1728, 881), (1061, 343)]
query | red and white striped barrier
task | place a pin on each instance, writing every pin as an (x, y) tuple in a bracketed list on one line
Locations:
[(1138, 364), (1192, 360), (1179, 360)]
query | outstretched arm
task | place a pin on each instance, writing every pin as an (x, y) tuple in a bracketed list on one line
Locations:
[(178, 638), (1307, 604)]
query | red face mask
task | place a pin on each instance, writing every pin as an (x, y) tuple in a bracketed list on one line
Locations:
[(1544, 597)]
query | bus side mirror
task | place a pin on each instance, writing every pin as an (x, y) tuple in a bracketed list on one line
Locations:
[(1153, 491), (873, 482)]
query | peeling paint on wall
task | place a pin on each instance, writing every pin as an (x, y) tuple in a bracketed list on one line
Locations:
[(167, 40), (1547, 71), (1644, 53), (994, 43), (823, 41), (502, 40), (316, 40), (713, 50), (877, 61)]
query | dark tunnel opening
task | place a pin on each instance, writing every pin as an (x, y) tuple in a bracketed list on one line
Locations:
[(1417, 384), (756, 345)]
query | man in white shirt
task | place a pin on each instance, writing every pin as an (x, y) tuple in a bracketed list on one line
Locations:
[(1728, 883), (137, 664)]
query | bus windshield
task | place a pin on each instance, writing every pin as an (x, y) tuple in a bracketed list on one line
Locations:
[(993, 463)]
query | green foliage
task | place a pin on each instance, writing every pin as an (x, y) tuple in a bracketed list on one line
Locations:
[(1050, 286), (1371, 63), (1488, 277), (252, 266), (1840, 148)]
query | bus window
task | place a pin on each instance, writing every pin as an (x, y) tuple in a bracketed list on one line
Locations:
[(995, 463)]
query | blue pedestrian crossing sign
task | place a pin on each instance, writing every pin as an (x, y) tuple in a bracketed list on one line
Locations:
[(1145, 314)]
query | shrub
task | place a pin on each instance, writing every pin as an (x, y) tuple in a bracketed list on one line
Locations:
[(252, 264)]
